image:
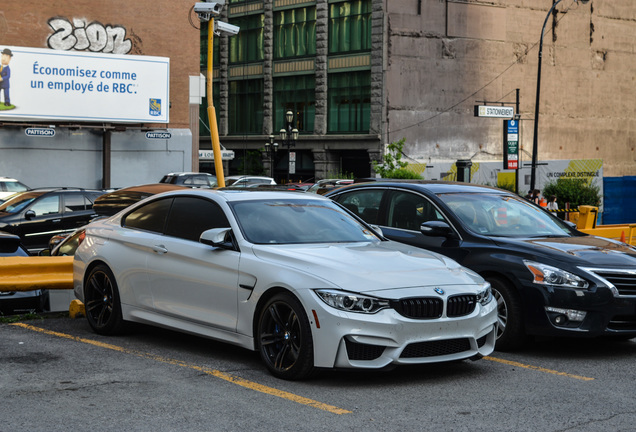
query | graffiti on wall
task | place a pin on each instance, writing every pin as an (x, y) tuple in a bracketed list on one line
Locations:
[(95, 36)]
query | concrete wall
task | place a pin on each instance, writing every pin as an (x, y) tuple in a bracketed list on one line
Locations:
[(456, 54), (74, 157)]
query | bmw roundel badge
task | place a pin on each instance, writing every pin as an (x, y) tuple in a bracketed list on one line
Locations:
[(439, 291)]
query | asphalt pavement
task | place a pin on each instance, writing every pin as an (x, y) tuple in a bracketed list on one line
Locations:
[(56, 375)]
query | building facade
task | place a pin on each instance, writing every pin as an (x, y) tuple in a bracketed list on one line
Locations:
[(360, 74), (90, 154)]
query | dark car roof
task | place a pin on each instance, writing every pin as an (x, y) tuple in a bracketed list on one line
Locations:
[(112, 202), (434, 186)]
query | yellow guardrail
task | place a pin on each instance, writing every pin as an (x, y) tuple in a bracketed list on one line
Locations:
[(34, 273), (587, 224)]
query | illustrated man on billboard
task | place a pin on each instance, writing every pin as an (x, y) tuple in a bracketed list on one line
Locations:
[(5, 74)]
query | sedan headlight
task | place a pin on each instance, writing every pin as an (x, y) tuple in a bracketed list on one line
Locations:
[(548, 275), (351, 302), (485, 296)]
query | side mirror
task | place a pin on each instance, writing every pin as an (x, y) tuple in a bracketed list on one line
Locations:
[(29, 215), (217, 237), (437, 229), (377, 230)]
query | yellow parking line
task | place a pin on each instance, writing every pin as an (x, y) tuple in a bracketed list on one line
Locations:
[(224, 376), (537, 368)]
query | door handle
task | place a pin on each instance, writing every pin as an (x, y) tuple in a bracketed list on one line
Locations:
[(56, 220), (160, 249)]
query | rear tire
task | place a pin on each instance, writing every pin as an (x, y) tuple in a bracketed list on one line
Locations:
[(284, 338), (102, 304), (510, 329)]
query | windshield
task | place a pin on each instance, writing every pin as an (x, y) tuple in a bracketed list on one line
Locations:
[(17, 203), (298, 221), (504, 216)]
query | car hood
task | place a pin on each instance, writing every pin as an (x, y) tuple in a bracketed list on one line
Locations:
[(369, 267), (586, 250)]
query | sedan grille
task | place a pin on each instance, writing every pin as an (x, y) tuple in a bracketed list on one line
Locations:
[(419, 308), (623, 280), (435, 348), (461, 305)]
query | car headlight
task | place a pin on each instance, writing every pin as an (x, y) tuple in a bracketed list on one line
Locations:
[(548, 275), (485, 296), (351, 302)]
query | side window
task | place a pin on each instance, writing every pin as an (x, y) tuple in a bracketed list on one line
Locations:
[(74, 202), (190, 216), (364, 203), (408, 211), (48, 205), (150, 217), (90, 199)]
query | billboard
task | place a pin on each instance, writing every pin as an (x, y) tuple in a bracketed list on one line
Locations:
[(72, 86)]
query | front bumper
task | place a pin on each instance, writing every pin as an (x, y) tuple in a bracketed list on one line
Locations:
[(354, 340), (607, 313)]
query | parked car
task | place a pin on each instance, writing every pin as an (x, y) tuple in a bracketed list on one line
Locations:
[(16, 302), (65, 245), (190, 179), (548, 278), (247, 181), (241, 266), (321, 187), (38, 214), (10, 186), (112, 202)]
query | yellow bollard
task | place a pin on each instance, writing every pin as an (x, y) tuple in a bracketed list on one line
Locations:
[(76, 309)]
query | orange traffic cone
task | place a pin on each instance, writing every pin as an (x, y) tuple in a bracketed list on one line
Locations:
[(623, 236)]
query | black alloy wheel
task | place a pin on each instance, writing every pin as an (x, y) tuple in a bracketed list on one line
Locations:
[(510, 331), (284, 338), (103, 308)]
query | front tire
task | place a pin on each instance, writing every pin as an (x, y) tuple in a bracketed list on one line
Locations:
[(510, 330), (102, 304), (284, 338)]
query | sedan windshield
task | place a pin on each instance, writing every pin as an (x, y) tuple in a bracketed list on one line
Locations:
[(504, 216), (298, 221)]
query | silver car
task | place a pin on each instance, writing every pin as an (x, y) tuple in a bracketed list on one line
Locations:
[(296, 277)]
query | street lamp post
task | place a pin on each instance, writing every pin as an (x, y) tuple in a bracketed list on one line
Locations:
[(270, 148), (535, 142), (288, 137)]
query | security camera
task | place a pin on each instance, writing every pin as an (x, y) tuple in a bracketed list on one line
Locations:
[(221, 26), (209, 8)]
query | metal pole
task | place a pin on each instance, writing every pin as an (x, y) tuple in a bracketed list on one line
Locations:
[(535, 143), (214, 129), (518, 117)]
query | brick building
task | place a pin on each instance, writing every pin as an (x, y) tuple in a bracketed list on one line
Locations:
[(363, 73)]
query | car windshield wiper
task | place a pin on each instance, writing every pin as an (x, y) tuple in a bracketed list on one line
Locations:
[(549, 236)]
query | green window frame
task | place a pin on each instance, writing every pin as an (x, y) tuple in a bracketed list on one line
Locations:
[(350, 26), (247, 45), (298, 94), (349, 102), (295, 33), (245, 114)]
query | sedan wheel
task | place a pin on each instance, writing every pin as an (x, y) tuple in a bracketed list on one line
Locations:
[(510, 332), (103, 308), (284, 338)]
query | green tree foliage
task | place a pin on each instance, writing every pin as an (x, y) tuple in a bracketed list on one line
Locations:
[(575, 191), (393, 166)]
